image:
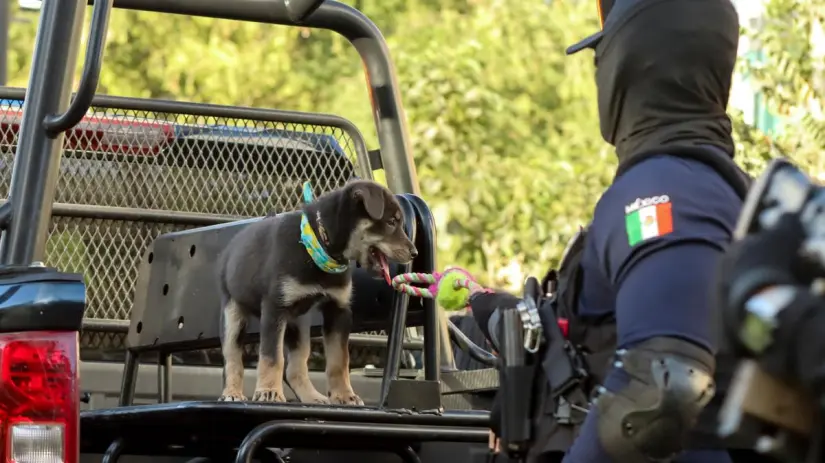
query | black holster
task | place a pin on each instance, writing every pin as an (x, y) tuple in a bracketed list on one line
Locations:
[(517, 372)]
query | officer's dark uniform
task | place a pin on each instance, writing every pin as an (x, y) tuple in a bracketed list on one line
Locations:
[(652, 266), (664, 71), (639, 281)]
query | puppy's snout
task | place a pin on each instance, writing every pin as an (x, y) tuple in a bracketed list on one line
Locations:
[(413, 251)]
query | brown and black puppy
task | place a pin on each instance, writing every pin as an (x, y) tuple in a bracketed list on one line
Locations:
[(267, 271)]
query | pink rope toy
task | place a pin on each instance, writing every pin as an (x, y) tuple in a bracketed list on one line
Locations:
[(403, 282), (453, 295)]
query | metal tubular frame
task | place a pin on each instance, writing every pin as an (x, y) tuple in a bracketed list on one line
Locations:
[(388, 111), (398, 317), (56, 123), (197, 110), (388, 432), (40, 139), (114, 451), (37, 160)]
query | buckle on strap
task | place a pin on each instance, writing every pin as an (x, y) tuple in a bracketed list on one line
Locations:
[(571, 411), (529, 314)]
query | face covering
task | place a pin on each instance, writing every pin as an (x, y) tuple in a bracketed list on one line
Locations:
[(663, 72)]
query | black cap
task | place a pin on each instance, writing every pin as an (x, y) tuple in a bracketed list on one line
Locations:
[(589, 42), (604, 7)]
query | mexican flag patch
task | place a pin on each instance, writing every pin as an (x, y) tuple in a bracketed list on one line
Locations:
[(648, 218)]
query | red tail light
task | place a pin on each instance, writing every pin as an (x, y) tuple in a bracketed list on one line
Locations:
[(39, 399), (100, 134)]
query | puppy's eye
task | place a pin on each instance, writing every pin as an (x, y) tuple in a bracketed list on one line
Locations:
[(392, 222)]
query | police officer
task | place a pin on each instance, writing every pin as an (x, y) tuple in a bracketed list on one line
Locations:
[(647, 260)]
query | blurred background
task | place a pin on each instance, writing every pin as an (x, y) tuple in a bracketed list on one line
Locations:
[(504, 126)]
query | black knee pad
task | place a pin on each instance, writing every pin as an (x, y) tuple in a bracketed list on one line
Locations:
[(670, 382)]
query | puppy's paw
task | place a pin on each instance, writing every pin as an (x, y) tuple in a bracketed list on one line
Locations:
[(344, 398), (315, 398), (232, 396), (268, 395)]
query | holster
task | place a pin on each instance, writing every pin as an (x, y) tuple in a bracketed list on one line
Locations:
[(517, 373)]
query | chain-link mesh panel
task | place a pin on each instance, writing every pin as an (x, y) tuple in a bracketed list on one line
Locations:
[(175, 163)]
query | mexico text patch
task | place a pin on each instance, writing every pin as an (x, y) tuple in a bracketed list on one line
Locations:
[(648, 218)]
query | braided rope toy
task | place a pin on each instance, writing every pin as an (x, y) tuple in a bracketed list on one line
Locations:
[(451, 288)]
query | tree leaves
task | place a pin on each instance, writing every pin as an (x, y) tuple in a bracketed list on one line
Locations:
[(788, 74)]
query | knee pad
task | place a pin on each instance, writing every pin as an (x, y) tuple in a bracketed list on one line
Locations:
[(669, 382)]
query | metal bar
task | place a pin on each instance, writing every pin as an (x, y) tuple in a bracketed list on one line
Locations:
[(130, 371), (466, 344), (399, 306), (230, 112), (298, 10), (388, 111), (106, 325), (164, 377), (438, 353), (37, 160), (114, 451), (88, 211), (369, 340), (408, 455), (363, 340), (195, 412), (5, 213), (366, 432), (90, 77)]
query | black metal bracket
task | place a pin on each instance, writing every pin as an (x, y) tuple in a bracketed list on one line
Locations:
[(375, 159), (114, 451), (414, 394), (89, 79), (298, 10)]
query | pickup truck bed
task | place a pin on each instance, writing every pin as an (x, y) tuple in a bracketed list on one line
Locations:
[(216, 429)]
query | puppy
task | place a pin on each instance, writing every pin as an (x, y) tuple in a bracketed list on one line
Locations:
[(280, 267)]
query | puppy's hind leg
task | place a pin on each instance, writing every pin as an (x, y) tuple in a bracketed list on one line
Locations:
[(270, 384), (337, 326), (297, 341), (234, 322)]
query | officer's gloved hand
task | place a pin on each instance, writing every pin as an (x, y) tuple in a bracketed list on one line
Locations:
[(769, 265), (765, 259)]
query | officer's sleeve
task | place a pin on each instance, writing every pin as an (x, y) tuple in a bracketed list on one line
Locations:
[(659, 233)]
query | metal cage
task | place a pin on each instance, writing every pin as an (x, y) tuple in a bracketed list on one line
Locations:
[(133, 169)]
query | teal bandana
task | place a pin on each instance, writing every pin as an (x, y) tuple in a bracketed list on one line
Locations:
[(319, 255)]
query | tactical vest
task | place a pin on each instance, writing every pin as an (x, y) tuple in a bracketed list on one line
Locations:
[(558, 415)]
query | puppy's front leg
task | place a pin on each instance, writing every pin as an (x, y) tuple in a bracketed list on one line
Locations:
[(337, 326), (270, 384)]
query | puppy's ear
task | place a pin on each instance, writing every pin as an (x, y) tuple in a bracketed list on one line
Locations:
[(372, 197)]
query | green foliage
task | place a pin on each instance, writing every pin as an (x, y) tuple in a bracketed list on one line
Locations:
[(505, 130), (789, 74), (503, 124)]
